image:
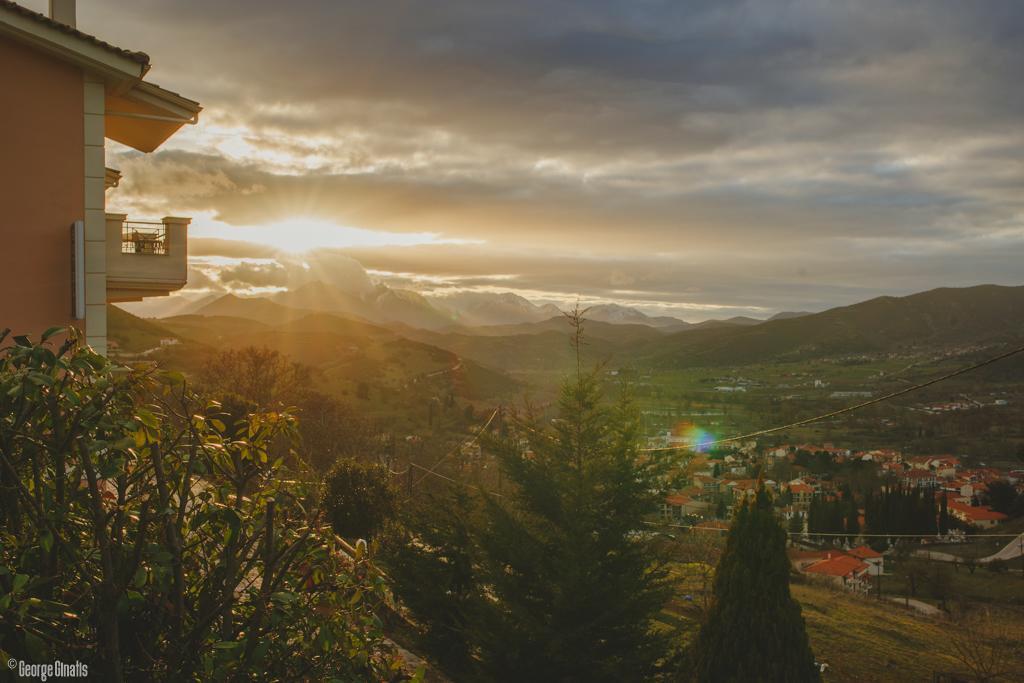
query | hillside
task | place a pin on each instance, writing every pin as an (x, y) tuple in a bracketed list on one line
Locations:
[(133, 334), (861, 639), (541, 347), (937, 318), (253, 308), (344, 353)]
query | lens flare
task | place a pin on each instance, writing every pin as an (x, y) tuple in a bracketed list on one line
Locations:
[(693, 436)]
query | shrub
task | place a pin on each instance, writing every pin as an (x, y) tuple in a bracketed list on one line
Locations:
[(359, 499), (156, 536)]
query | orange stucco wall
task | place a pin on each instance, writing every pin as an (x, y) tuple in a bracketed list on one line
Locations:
[(42, 178)]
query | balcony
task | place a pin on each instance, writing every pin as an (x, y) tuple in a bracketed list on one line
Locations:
[(145, 258)]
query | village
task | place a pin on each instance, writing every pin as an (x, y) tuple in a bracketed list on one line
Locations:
[(805, 477)]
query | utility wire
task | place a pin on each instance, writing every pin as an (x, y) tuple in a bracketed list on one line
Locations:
[(454, 481), (455, 450), (848, 409), (703, 527)]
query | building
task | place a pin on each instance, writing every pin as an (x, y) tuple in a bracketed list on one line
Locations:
[(875, 560), (920, 478), (844, 570), (64, 258), (801, 494), (678, 506), (980, 516)]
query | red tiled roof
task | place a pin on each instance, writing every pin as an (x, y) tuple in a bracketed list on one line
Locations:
[(864, 552), (837, 565), (978, 513), (140, 57), (677, 500)]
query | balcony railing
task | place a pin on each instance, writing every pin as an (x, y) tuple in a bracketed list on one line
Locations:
[(143, 237), (130, 274)]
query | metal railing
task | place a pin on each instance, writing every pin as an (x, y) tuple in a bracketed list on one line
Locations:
[(143, 237)]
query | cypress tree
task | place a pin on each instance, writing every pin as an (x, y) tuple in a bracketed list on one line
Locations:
[(796, 523), (852, 521), (754, 630), (944, 515)]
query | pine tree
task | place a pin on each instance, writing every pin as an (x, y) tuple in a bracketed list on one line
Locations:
[(754, 630), (575, 588)]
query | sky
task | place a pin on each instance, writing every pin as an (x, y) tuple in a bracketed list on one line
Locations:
[(702, 159)]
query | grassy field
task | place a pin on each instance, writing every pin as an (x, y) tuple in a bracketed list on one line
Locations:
[(860, 638), (864, 640), (981, 586)]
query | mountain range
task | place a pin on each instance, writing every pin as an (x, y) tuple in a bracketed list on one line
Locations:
[(937, 319), (386, 305)]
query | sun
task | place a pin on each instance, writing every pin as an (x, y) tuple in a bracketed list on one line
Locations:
[(300, 234)]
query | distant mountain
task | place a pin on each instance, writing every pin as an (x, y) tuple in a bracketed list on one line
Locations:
[(492, 308), (164, 307), (592, 329), (735, 321), (252, 308), (381, 304), (936, 319), (624, 315), (786, 315)]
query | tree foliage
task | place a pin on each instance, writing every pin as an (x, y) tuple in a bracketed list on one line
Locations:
[(556, 579), (156, 536), (754, 630), (901, 510), (359, 499), (263, 376)]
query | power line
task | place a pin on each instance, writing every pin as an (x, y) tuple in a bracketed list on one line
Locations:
[(458, 448), (701, 527), (848, 409), (454, 481)]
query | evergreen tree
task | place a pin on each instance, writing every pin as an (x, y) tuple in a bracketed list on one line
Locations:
[(434, 574), (944, 515), (554, 580), (796, 523), (754, 630), (575, 588), (852, 521)]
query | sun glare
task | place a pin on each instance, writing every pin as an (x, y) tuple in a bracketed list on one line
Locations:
[(302, 234)]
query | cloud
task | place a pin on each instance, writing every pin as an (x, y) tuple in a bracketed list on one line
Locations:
[(786, 153)]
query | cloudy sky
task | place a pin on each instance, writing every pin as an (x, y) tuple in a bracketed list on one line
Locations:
[(701, 158)]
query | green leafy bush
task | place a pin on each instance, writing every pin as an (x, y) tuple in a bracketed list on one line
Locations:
[(359, 499), (157, 536)]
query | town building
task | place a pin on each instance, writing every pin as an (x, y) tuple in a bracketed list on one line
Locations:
[(980, 516)]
